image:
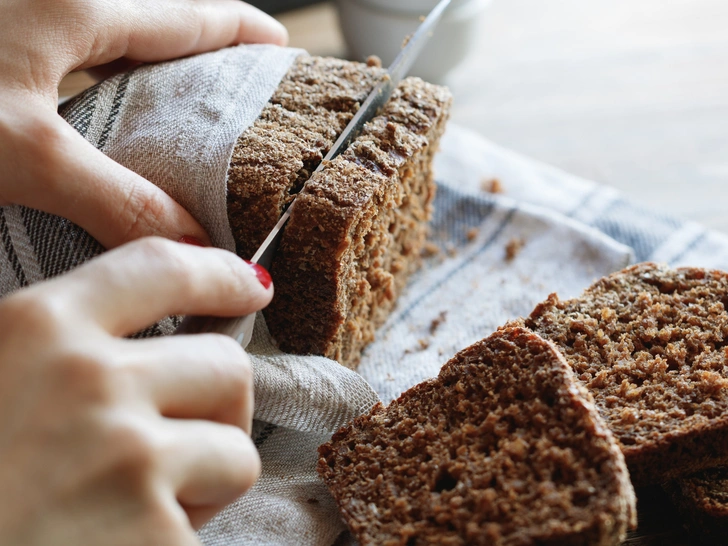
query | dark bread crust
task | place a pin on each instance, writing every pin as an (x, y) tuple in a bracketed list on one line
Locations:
[(650, 344), (357, 230), (702, 500), (502, 448)]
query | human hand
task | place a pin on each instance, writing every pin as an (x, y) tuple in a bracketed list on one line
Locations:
[(44, 163), (113, 441)]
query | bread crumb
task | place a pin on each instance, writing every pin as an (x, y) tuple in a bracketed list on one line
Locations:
[(406, 40), (430, 249), (492, 185), (451, 250), (374, 61), (435, 324), (422, 344), (513, 248), (472, 233)]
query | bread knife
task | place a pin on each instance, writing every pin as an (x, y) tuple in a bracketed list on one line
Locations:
[(241, 328)]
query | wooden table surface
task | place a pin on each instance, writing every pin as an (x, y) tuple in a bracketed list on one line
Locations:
[(631, 93)]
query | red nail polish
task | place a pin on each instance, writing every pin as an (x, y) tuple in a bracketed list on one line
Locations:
[(262, 274), (190, 240)]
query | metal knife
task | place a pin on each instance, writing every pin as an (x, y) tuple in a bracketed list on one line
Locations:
[(241, 328)]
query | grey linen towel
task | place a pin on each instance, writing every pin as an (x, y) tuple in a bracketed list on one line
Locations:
[(176, 124)]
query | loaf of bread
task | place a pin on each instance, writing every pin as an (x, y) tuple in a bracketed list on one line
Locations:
[(502, 448), (649, 343), (359, 225), (702, 500)]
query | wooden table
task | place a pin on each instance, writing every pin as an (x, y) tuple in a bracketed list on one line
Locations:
[(631, 93)]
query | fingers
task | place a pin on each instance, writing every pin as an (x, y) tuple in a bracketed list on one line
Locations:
[(209, 465), (138, 284), (52, 168), (162, 30), (193, 377)]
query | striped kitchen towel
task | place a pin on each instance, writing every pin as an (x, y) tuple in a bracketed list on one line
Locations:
[(494, 257)]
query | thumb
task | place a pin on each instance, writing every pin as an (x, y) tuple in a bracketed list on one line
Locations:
[(54, 169)]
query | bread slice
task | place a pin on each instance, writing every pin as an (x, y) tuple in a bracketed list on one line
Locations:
[(649, 343), (502, 448), (359, 225), (702, 500), (275, 156)]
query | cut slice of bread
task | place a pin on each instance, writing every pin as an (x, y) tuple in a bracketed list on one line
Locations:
[(650, 344), (502, 448), (702, 500)]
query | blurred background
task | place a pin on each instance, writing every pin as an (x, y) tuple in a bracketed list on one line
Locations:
[(630, 93)]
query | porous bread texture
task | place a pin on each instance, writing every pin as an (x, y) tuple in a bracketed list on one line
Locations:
[(650, 344), (274, 157), (502, 448), (357, 230), (702, 500)]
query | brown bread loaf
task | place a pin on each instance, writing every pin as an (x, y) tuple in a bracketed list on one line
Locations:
[(502, 448), (649, 343), (359, 225)]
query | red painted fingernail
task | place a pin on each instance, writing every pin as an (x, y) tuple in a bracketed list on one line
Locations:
[(190, 240), (262, 274)]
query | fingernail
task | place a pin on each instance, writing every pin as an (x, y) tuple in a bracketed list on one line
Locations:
[(262, 274), (190, 240)]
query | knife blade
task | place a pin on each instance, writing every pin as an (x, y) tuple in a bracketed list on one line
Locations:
[(241, 328)]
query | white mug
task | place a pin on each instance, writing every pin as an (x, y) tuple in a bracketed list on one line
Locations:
[(380, 27)]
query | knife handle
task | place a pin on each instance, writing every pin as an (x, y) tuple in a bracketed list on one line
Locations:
[(238, 328)]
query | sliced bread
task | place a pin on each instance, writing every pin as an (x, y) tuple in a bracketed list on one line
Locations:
[(502, 448), (650, 344), (358, 227)]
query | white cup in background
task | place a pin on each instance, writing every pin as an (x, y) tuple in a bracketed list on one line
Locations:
[(379, 27)]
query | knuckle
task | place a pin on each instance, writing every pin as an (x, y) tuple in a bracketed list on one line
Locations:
[(164, 256), (232, 363), (135, 451), (87, 375), (42, 314), (142, 211)]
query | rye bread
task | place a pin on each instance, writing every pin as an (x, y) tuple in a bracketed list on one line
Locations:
[(504, 447), (359, 225), (650, 344)]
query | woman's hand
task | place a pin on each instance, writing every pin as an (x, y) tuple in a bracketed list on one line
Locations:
[(105, 440), (44, 163)]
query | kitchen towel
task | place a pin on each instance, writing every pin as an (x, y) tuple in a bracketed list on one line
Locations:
[(494, 257)]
